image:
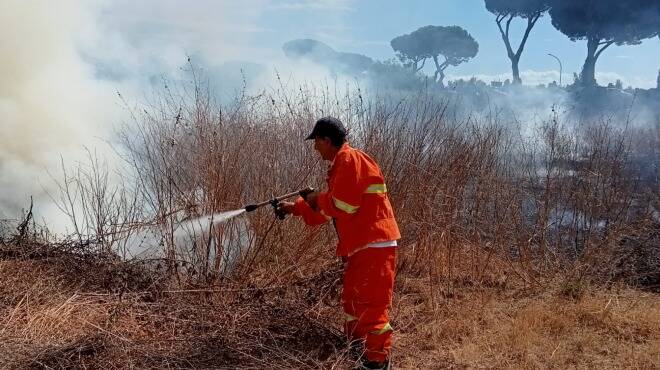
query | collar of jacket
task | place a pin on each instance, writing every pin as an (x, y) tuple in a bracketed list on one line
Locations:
[(344, 148)]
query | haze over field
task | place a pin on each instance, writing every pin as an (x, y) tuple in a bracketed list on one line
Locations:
[(65, 62)]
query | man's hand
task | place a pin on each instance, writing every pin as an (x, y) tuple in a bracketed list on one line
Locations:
[(312, 200), (286, 207)]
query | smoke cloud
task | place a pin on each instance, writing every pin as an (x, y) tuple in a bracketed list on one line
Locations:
[(50, 103), (65, 61)]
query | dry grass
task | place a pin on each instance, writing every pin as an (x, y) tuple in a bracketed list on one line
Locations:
[(513, 328), (51, 320), (55, 320)]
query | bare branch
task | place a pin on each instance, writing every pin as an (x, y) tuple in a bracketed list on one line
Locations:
[(605, 46)]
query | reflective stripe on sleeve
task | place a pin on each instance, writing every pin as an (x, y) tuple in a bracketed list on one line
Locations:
[(345, 206), (376, 189)]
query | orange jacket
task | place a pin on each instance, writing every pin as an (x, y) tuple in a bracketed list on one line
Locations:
[(357, 201)]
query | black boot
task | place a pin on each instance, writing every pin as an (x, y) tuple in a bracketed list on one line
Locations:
[(366, 364)]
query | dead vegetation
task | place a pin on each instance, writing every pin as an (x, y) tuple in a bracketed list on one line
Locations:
[(517, 252), (56, 320)]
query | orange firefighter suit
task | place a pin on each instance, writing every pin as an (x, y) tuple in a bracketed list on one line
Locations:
[(357, 202)]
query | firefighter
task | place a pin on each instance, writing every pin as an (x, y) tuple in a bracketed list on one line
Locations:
[(357, 202)]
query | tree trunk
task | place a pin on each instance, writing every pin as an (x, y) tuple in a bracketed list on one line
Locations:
[(439, 75), (516, 71), (504, 32), (588, 75)]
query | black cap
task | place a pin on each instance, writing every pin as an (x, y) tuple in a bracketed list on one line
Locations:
[(329, 127)]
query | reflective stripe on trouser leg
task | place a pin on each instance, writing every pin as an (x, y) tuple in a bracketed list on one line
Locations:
[(378, 343), (387, 327), (351, 326), (367, 295)]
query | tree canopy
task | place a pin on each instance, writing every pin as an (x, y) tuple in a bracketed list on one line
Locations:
[(411, 50), (603, 23), (308, 48), (453, 43), (619, 21), (517, 8), (321, 53)]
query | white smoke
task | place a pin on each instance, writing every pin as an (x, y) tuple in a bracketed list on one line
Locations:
[(64, 62), (50, 103)]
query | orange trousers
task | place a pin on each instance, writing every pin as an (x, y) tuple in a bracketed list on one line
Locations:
[(367, 297)]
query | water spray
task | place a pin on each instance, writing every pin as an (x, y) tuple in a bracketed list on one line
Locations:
[(201, 224)]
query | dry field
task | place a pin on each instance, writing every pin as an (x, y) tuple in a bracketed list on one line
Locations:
[(56, 317), (532, 247)]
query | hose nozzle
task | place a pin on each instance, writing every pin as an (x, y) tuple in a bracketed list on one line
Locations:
[(251, 207), (303, 193)]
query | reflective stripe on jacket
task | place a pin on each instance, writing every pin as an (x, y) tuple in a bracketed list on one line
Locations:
[(357, 200)]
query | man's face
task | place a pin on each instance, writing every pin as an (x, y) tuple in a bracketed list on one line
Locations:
[(323, 145)]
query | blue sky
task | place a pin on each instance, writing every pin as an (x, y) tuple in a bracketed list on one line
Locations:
[(160, 31), (367, 27)]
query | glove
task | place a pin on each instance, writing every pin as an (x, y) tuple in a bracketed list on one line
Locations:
[(285, 207), (282, 209), (312, 200)]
